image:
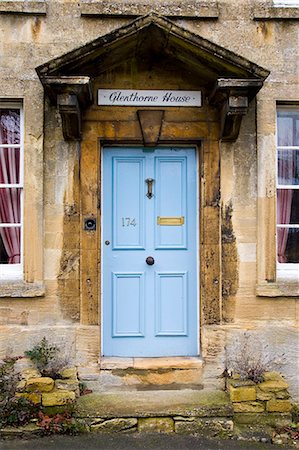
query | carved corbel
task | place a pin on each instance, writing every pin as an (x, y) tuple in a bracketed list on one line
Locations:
[(70, 94), (232, 96), (69, 109)]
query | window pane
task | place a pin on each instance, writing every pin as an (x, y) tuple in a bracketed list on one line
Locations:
[(287, 206), (9, 165), (10, 205), (10, 245), (288, 166), (288, 128), (9, 126), (288, 245)]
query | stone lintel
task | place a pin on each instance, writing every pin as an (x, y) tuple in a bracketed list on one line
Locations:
[(263, 12), (192, 9), (232, 97), (69, 109), (36, 8)]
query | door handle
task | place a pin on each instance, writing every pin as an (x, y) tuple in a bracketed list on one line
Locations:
[(150, 260), (149, 182)]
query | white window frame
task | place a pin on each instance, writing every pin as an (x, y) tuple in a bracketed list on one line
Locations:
[(286, 3), (15, 271), (286, 271)]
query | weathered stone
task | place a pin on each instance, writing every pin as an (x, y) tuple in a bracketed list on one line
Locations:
[(68, 385), (265, 418), (33, 397), (69, 372), (249, 407), (207, 427), (240, 383), (114, 425), (156, 425), (58, 398), (261, 395), (26, 374), (21, 385), (242, 394), (41, 384), (282, 406), (282, 395), (272, 376), (273, 385)]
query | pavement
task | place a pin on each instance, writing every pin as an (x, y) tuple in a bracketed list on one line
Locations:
[(136, 441)]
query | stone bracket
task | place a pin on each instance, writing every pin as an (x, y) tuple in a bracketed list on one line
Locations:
[(232, 96), (69, 109), (150, 123), (70, 94)]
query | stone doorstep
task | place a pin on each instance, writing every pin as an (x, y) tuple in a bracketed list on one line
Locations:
[(179, 363), (156, 403)]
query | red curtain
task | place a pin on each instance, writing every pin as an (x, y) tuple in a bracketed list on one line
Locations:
[(286, 172), (10, 210)]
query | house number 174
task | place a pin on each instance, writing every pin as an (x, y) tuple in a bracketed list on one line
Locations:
[(128, 222)]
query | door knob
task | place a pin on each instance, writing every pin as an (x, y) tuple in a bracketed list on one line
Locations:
[(150, 260)]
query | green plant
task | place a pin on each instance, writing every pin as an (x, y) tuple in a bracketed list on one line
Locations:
[(63, 423), (14, 411), (46, 358)]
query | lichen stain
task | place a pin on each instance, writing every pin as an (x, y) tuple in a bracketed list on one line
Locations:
[(230, 263), (35, 28)]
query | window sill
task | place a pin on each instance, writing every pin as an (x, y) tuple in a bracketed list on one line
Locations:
[(275, 12), (23, 7), (280, 288), (20, 289), (197, 10)]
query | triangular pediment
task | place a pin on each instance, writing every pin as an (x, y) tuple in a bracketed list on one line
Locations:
[(230, 80), (147, 38)]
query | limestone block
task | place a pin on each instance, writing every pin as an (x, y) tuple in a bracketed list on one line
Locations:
[(272, 376), (40, 384), (282, 406), (156, 425), (69, 372), (273, 385), (30, 373), (242, 393), (32, 396), (58, 398), (282, 395), (68, 385), (115, 425), (249, 407), (261, 395), (206, 427)]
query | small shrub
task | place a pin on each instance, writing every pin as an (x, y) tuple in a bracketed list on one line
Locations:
[(249, 358), (63, 423), (46, 358), (14, 411)]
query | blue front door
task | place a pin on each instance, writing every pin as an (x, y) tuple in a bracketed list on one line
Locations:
[(149, 252)]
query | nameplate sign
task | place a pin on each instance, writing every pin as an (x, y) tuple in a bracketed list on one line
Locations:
[(128, 97)]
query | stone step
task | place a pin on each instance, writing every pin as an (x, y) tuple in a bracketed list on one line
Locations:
[(156, 403)]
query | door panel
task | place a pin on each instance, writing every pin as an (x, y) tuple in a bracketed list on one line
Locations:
[(149, 310)]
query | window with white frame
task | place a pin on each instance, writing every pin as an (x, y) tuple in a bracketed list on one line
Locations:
[(288, 188), (11, 190), (293, 3)]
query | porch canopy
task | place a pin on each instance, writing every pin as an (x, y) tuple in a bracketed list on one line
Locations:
[(231, 80)]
